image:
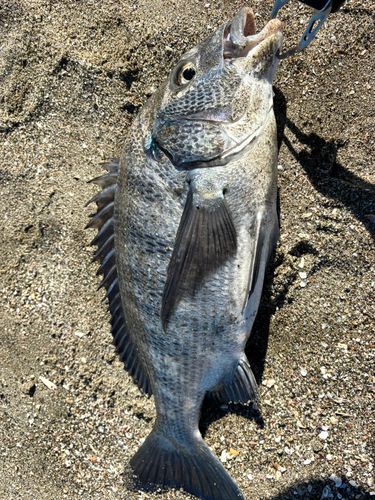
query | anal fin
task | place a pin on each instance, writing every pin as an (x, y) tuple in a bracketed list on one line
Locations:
[(242, 387)]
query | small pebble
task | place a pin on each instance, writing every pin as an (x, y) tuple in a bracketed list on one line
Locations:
[(269, 383), (336, 480), (326, 492), (48, 383), (303, 372), (302, 284), (302, 275), (323, 435)]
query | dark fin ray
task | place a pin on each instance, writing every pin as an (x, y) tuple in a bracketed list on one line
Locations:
[(101, 217), (103, 249), (159, 463), (115, 310), (108, 278), (108, 262), (111, 165), (206, 240), (242, 388), (103, 197), (104, 233), (112, 291), (105, 180), (103, 220)]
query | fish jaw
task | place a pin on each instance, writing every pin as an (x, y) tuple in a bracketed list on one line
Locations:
[(229, 97), (243, 44)]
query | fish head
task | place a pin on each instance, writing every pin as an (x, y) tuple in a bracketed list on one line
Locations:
[(219, 94)]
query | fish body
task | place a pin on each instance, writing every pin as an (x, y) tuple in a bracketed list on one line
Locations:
[(185, 242)]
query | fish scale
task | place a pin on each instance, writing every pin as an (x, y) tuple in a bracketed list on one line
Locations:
[(187, 220)]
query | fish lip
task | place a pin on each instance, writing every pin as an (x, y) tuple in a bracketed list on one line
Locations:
[(240, 38)]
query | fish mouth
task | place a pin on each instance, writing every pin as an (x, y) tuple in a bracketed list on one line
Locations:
[(240, 38)]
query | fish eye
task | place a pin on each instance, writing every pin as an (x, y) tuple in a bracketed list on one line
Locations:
[(186, 74)]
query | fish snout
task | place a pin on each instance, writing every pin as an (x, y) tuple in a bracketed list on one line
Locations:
[(242, 42)]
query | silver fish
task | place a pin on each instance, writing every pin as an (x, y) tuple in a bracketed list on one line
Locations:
[(187, 220)]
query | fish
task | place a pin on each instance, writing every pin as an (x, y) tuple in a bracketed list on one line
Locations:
[(186, 223)]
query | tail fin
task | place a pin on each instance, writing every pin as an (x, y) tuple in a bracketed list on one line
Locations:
[(159, 463)]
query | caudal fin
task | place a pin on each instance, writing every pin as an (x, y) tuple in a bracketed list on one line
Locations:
[(159, 463)]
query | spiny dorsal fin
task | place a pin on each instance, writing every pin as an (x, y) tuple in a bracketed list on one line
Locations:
[(206, 240), (103, 221)]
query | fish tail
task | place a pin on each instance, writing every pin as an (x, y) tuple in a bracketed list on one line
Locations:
[(195, 469)]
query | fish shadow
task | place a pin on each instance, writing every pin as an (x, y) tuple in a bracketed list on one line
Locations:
[(334, 181), (318, 157), (318, 489)]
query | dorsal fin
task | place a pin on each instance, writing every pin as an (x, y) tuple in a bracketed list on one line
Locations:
[(103, 221)]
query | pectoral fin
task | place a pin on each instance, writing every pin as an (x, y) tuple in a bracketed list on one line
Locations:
[(206, 240), (259, 237)]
